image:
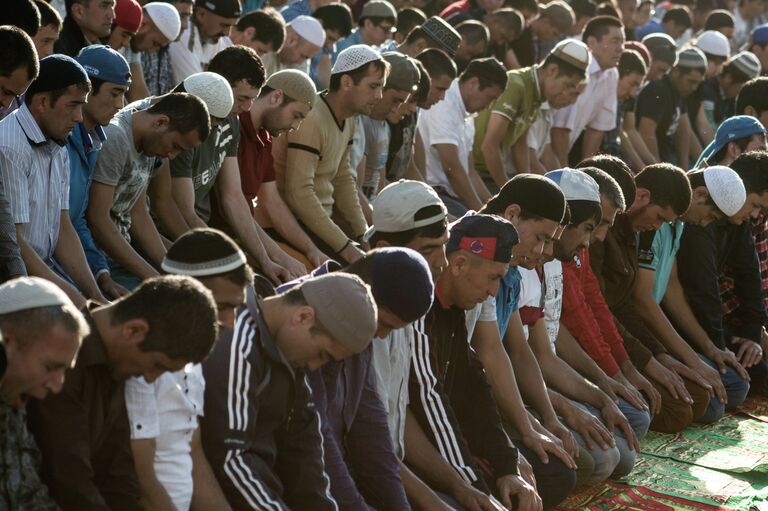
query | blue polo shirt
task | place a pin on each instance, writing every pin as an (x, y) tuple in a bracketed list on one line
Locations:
[(508, 298), (656, 251)]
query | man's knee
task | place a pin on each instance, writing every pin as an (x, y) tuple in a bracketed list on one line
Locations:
[(675, 414), (639, 420)]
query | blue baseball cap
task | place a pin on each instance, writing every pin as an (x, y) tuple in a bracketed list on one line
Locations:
[(105, 64), (760, 34), (733, 128)]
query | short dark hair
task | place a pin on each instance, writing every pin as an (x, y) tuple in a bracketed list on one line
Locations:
[(631, 62), (598, 26), (22, 14), (409, 18), (608, 186), (703, 6), (425, 83), (488, 71), (736, 74), (180, 312), (696, 178), (721, 153), (583, 8), (752, 168), (754, 93), (48, 15), (358, 73), (473, 31), (615, 168), (531, 193), (239, 63), (668, 185), (719, 18), (186, 112), (17, 51), (583, 210), (268, 25), (511, 19), (679, 15), (336, 17), (563, 67), (400, 239), (437, 63), (607, 9)]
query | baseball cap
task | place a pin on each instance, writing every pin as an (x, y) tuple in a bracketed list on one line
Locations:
[(726, 188), (733, 128), (573, 52), (104, 63), (575, 184), (128, 15), (662, 47), (30, 293), (309, 28), (488, 236), (378, 9), (214, 90), (402, 282), (165, 17), (295, 85), (354, 57), (446, 37), (760, 34), (223, 8), (691, 58), (395, 207), (746, 62), (403, 73), (714, 43), (345, 308)]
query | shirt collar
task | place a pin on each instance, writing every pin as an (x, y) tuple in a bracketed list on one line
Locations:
[(594, 66), (535, 74), (511, 276), (454, 93), (30, 127)]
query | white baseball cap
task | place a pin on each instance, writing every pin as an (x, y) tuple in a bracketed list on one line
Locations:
[(714, 43), (575, 184), (353, 57), (30, 293), (309, 28), (214, 90), (166, 19), (726, 188), (395, 208)]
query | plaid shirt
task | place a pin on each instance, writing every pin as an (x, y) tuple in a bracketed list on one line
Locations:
[(759, 228)]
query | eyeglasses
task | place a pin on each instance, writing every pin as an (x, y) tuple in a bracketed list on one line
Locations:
[(388, 29)]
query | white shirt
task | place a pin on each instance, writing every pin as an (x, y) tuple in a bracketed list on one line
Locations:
[(273, 64), (553, 298), (530, 291), (485, 311), (188, 58), (595, 107), (168, 410), (448, 122)]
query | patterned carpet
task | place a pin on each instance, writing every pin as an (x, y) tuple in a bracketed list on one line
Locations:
[(722, 466)]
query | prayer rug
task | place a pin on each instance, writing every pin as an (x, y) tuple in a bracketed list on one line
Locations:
[(619, 497)]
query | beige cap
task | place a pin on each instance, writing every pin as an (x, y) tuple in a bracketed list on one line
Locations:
[(573, 52), (378, 9), (295, 84), (345, 308), (403, 73)]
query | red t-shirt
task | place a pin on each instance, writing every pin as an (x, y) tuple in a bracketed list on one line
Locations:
[(455, 7), (254, 155)]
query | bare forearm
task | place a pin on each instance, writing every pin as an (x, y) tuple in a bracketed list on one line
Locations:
[(109, 238), (560, 142), (677, 306), (207, 493), (529, 377), (144, 233), (491, 150), (417, 492), (238, 216), (657, 321), (69, 253), (569, 349), (286, 225), (593, 139)]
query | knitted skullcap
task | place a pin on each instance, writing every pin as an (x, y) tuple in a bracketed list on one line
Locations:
[(354, 57), (295, 85), (165, 17), (30, 293), (214, 90), (726, 188), (203, 253)]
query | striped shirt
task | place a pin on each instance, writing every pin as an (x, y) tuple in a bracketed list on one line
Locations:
[(35, 174)]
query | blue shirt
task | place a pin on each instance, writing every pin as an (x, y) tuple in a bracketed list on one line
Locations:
[(656, 251), (354, 38), (508, 297), (652, 26), (252, 5), (295, 9), (83, 152)]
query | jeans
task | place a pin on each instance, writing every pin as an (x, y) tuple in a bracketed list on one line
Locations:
[(736, 389), (595, 464), (639, 421)]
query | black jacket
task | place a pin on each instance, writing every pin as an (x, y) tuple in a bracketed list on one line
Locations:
[(71, 39), (452, 400), (261, 432)]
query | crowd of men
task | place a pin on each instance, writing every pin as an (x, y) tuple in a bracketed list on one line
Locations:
[(372, 255)]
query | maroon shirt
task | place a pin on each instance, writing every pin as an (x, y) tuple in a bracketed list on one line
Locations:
[(254, 156)]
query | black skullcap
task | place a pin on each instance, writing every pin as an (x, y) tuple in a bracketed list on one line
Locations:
[(57, 72)]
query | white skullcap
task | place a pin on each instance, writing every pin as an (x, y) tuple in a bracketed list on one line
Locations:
[(353, 57), (714, 43), (214, 90), (309, 28), (166, 19), (575, 184), (30, 293), (726, 188)]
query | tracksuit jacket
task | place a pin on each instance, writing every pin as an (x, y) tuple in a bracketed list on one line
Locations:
[(261, 432)]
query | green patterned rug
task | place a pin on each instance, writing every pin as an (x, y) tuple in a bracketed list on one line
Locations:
[(722, 466)]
